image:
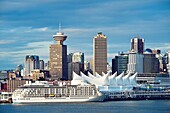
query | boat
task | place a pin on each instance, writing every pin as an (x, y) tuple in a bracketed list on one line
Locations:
[(5, 97), (42, 92)]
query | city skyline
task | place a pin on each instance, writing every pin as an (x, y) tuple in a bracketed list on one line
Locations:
[(27, 27)]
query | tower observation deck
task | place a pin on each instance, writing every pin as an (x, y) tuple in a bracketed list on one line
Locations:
[(59, 37)]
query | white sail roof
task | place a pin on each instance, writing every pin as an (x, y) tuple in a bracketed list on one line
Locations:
[(76, 76), (113, 76), (77, 79), (119, 80), (90, 75), (98, 76), (126, 80), (103, 74), (112, 80), (96, 81), (133, 79), (106, 79)]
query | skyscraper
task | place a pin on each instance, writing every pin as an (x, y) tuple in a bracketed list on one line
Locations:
[(137, 45), (76, 67), (150, 63), (58, 58), (36, 62), (76, 63), (100, 54), (41, 64), (31, 63), (168, 64), (78, 57), (161, 59), (91, 65), (69, 57), (135, 63), (119, 63), (165, 62), (86, 65)]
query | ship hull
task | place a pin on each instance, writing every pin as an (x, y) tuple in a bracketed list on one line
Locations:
[(58, 100)]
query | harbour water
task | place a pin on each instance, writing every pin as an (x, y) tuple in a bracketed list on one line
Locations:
[(144, 106)]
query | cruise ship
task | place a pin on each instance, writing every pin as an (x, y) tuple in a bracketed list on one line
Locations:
[(41, 91)]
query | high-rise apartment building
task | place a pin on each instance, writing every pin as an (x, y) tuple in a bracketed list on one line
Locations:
[(137, 45), (31, 63), (100, 54), (58, 58)]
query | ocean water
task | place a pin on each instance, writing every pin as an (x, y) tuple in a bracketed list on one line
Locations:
[(144, 106)]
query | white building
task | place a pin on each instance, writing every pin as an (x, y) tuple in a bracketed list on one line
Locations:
[(135, 63), (78, 57)]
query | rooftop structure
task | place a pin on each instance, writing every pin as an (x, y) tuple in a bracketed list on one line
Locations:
[(59, 38)]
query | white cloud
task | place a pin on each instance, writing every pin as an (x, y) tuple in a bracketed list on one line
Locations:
[(164, 47), (42, 29), (26, 29), (30, 29), (138, 27), (111, 55), (9, 5), (37, 45), (121, 45), (88, 57), (36, 48), (7, 41), (115, 8)]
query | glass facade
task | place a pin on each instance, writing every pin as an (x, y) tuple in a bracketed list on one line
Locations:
[(119, 64)]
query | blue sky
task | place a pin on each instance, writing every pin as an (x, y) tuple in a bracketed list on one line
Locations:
[(27, 26)]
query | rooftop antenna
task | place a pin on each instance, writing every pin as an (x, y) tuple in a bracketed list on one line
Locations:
[(59, 27)]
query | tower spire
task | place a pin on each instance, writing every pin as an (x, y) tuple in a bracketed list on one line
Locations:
[(59, 27)]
